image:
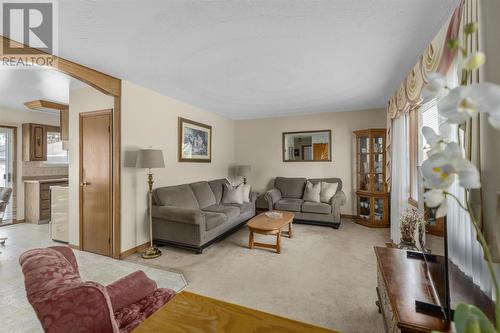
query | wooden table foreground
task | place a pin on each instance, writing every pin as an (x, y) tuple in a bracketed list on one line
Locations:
[(189, 312)]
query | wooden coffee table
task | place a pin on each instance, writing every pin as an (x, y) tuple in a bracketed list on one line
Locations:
[(261, 224), (188, 312)]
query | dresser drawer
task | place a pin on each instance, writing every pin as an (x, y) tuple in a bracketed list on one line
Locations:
[(44, 194)]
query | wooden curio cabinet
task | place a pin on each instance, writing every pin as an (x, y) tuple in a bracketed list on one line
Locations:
[(372, 195)]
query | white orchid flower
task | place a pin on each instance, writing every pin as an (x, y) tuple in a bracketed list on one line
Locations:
[(442, 167), (468, 175), (456, 107), (442, 209), (438, 172), (465, 101), (474, 61), (436, 141), (434, 198), (435, 87)]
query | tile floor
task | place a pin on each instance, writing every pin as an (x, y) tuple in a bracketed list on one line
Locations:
[(16, 314)]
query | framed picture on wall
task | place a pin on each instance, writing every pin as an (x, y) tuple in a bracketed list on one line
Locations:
[(195, 141)]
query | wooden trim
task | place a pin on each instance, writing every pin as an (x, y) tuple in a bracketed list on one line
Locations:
[(116, 176), (108, 85), (179, 143), (74, 247), (112, 219), (348, 216), (330, 157), (41, 104), (138, 248)]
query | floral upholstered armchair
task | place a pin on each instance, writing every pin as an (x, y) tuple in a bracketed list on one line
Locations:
[(64, 303)]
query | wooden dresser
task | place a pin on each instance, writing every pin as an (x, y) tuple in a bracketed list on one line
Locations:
[(400, 282), (37, 199)]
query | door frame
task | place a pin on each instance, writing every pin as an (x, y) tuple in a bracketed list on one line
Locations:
[(106, 84), (14, 169), (81, 116)]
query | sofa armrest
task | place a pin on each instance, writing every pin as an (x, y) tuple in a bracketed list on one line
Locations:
[(253, 197), (272, 196), (339, 199), (178, 214), (130, 289)]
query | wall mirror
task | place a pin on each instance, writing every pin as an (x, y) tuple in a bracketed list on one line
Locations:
[(307, 146)]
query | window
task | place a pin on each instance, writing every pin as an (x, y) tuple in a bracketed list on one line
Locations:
[(429, 116), (55, 152), (425, 115)]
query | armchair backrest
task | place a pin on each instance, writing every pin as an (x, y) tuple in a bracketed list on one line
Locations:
[(59, 297)]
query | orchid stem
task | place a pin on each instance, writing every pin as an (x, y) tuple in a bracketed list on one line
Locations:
[(487, 254)]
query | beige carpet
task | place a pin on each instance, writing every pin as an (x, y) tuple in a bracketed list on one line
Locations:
[(323, 276)]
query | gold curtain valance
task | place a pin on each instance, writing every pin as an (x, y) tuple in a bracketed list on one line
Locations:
[(436, 58)]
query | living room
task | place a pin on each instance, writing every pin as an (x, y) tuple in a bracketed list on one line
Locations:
[(250, 165)]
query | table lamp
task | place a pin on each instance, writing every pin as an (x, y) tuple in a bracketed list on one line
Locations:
[(244, 171), (150, 158)]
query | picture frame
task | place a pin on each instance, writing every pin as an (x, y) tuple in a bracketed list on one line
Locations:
[(194, 141)]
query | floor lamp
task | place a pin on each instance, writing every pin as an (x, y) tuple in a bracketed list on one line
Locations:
[(149, 159)]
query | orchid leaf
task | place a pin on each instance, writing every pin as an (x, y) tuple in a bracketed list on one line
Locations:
[(470, 319)]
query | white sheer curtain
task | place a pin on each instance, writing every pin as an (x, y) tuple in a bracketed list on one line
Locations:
[(464, 249), (400, 176)]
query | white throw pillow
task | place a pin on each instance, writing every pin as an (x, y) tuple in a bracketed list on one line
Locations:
[(246, 192), (312, 192), (232, 195), (328, 190)]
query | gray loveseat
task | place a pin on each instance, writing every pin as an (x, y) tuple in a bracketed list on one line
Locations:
[(287, 195), (192, 215)]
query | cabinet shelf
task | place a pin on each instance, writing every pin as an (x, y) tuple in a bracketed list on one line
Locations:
[(372, 194)]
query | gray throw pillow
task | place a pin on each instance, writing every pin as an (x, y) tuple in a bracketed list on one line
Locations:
[(312, 192), (232, 195), (328, 190)]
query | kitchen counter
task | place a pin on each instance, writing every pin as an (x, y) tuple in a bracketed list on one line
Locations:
[(37, 199)]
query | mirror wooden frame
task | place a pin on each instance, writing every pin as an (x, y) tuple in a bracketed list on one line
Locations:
[(329, 131)]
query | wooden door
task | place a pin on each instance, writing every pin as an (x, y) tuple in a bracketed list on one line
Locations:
[(96, 182)]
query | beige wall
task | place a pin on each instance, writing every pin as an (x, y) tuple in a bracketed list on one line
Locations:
[(490, 154), (149, 119), (80, 100), (259, 144), (16, 118)]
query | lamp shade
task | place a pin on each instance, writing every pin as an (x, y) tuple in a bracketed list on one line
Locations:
[(150, 158), (244, 170)]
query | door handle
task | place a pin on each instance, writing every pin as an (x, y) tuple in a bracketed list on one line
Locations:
[(84, 183)]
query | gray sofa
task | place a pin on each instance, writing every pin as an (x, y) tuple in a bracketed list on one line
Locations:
[(287, 195), (192, 215)]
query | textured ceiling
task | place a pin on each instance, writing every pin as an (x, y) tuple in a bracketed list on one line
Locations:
[(250, 59)]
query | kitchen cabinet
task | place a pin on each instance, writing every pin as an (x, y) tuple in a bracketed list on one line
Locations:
[(37, 199)]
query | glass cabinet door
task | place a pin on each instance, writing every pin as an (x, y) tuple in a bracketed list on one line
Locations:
[(378, 144), (379, 209), (364, 209), (364, 181), (364, 163), (364, 144)]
